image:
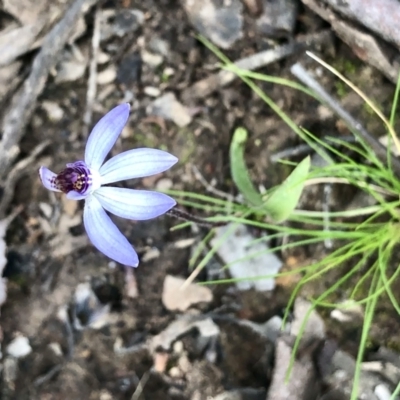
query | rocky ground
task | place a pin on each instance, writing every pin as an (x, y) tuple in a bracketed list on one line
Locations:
[(76, 325)]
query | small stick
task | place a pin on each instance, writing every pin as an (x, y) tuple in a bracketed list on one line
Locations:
[(213, 82), (24, 102), (209, 187), (185, 216), (15, 174), (92, 81), (140, 387), (304, 149)]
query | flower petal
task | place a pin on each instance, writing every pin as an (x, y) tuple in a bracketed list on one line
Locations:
[(105, 236), (48, 179), (136, 163), (134, 204), (104, 135)]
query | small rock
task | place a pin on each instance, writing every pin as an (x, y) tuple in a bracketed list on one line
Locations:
[(242, 394), (151, 59), (72, 66), (176, 298), (160, 362), (56, 348), (87, 310), (168, 107), (278, 18), (127, 21), (164, 184), (315, 327), (151, 254), (105, 395), (54, 112), (207, 328), (71, 71), (152, 91), (184, 243), (119, 23), (107, 76), (159, 46), (221, 22), (46, 209), (348, 312), (19, 347), (175, 373), (168, 72), (238, 244), (382, 392), (103, 58)]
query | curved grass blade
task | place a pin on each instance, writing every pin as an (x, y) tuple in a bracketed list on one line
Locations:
[(280, 205), (239, 170)]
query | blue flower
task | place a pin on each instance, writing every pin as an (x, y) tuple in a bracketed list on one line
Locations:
[(86, 180)]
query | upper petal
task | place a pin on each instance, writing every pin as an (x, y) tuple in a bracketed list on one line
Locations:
[(136, 163), (134, 204), (104, 135), (105, 236), (48, 179)]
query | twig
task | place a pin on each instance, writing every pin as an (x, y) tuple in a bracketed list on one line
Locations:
[(354, 125), (18, 170), (47, 376), (92, 81), (24, 102), (192, 277), (209, 187), (185, 216), (140, 387), (304, 149), (208, 85)]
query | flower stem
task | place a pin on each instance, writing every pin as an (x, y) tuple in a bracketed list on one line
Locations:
[(185, 216)]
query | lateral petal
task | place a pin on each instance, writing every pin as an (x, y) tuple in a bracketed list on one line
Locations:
[(136, 163), (105, 236), (134, 204)]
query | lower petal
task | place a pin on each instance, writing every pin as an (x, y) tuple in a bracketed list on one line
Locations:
[(134, 204), (105, 236)]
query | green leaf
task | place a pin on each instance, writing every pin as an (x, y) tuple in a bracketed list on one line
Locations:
[(239, 170), (281, 203)]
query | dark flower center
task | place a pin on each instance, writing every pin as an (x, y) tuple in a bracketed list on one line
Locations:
[(75, 177)]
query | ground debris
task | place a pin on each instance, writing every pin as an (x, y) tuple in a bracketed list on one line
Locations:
[(303, 378), (182, 325), (278, 17), (175, 297), (368, 48), (98, 330), (221, 23), (168, 107), (238, 245)]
